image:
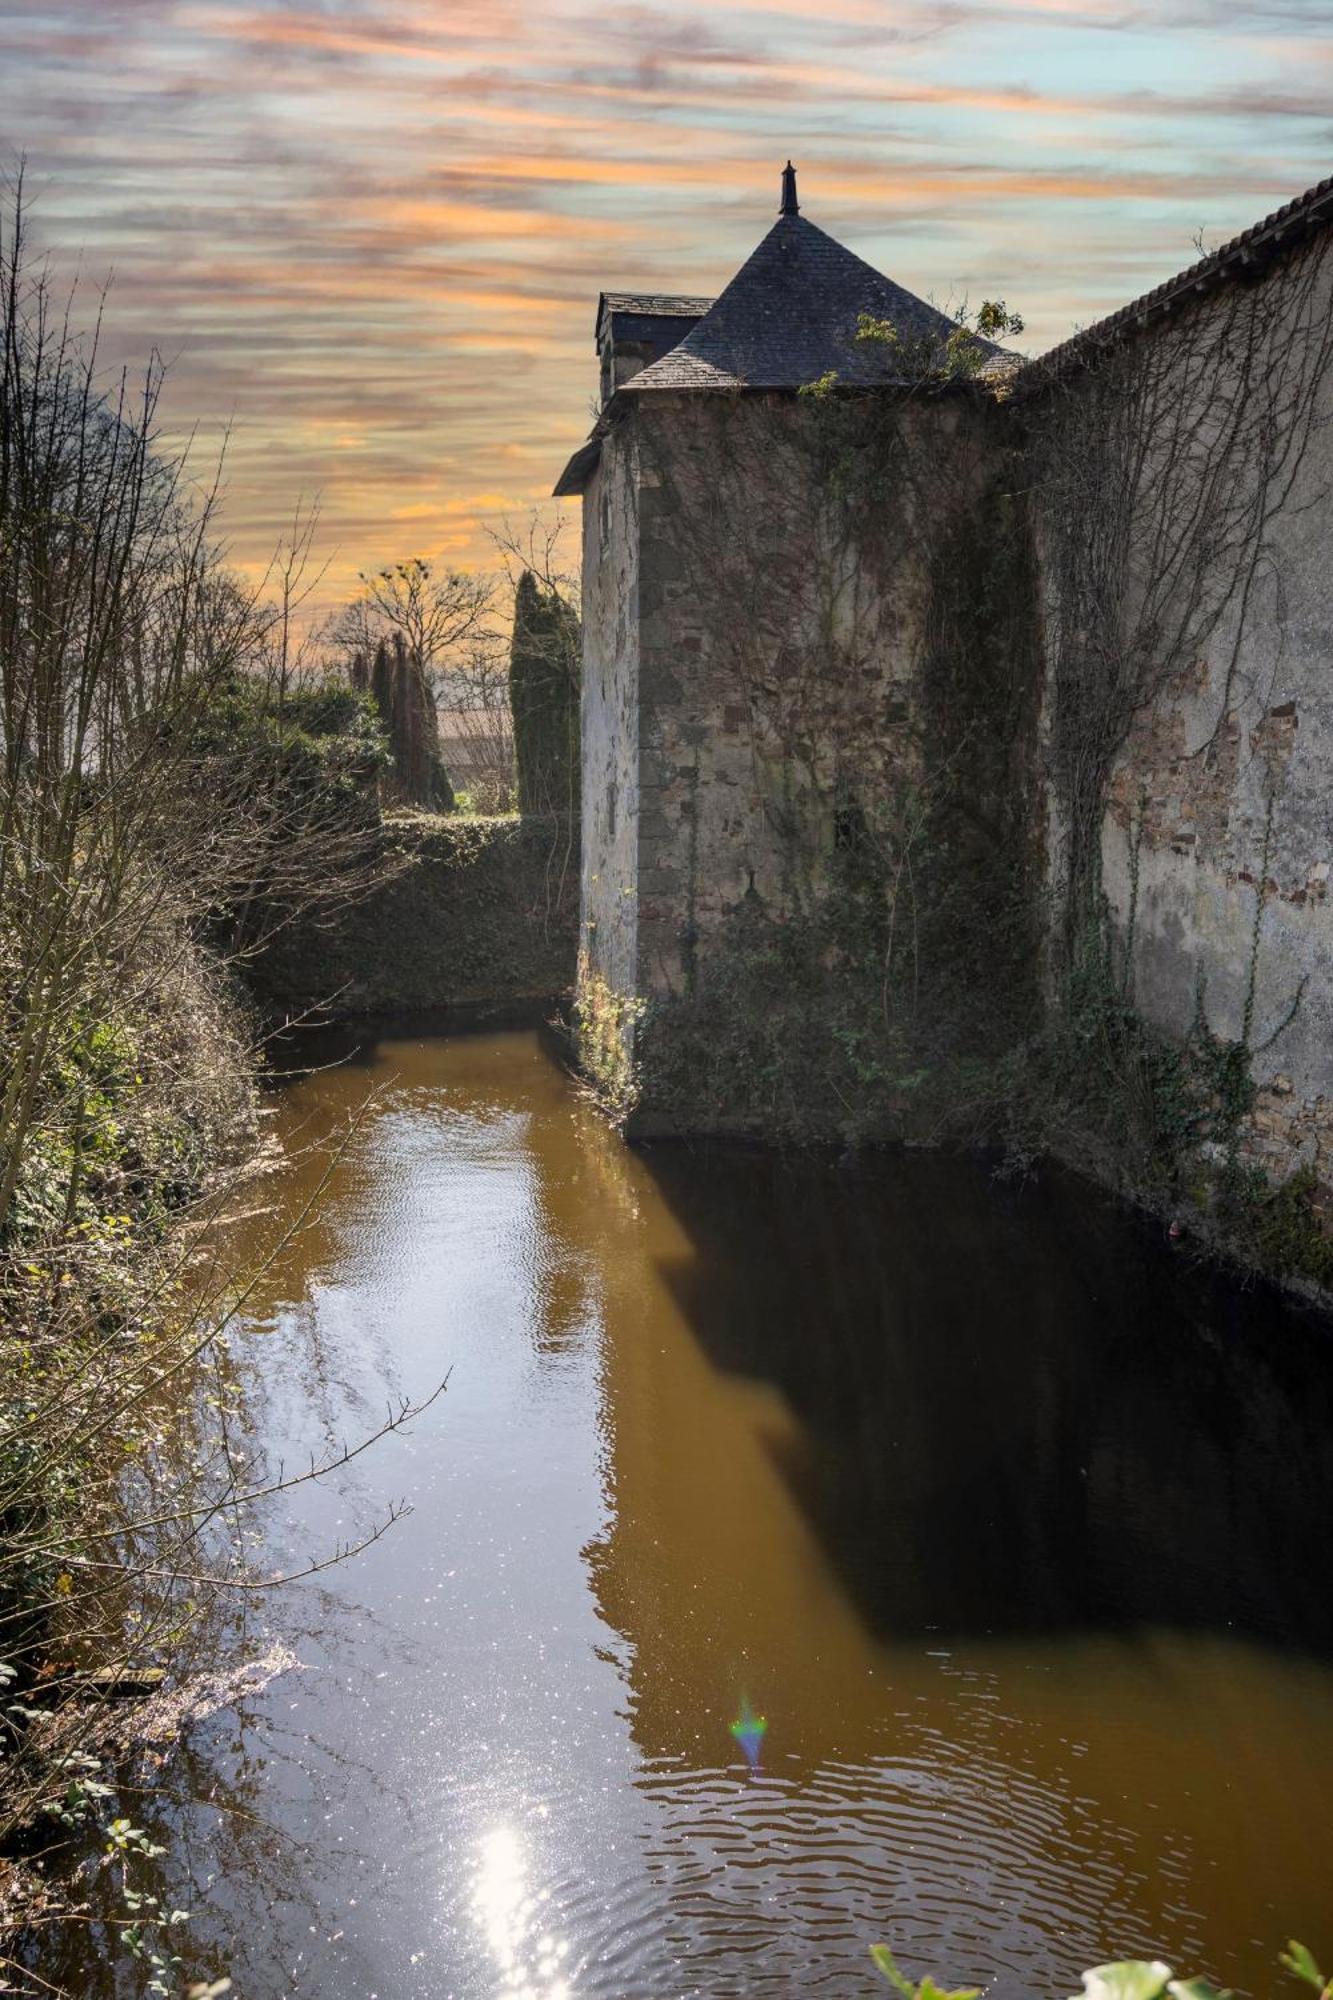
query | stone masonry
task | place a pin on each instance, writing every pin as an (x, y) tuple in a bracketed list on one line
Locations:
[(752, 692)]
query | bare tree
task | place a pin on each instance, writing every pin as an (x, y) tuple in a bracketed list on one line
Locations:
[(157, 815), (435, 611)]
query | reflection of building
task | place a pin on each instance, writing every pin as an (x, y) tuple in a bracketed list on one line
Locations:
[(875, 1406), (920, 1472)]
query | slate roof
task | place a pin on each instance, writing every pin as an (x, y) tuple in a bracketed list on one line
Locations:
[(580, 467), (1246, 256), (657, 305), (790, 315)]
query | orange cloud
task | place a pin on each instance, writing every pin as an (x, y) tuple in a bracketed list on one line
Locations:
[(371, 234)]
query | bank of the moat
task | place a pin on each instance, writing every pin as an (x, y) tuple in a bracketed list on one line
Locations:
[(467, 913), (1010, 1522)]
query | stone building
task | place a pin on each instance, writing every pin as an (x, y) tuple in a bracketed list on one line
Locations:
[(904, 660)]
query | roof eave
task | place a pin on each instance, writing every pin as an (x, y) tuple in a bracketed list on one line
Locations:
[(897, 384), (1245, 258), (574, 479)]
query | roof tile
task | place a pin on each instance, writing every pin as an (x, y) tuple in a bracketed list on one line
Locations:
[(789, 316)]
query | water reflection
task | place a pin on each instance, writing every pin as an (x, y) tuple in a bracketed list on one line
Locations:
[(1019, 1411), (1008, 1530), (516, 1922)]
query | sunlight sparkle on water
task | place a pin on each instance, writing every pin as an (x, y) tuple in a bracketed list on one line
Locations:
[(515, 1921)]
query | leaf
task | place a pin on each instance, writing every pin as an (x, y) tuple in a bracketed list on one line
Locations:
[(1131, 1979), (1297, 1959), (1198, 1989), (927, 1990), (884, 1960)]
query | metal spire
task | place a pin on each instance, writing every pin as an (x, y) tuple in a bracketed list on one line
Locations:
[(790, 205)]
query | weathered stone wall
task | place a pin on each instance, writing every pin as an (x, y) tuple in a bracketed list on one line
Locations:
[(476, 913), (891, 699), (1216, 833), (611, 649), (779, 676), (808, 574)]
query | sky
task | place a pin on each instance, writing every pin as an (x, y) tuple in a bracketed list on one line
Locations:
[(368, 235)]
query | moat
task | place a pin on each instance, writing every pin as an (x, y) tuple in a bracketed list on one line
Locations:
[(1010, 1524)]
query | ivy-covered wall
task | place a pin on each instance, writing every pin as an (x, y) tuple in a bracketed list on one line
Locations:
[(827, 702), (958, 755), (1183, 483), (477, 913)]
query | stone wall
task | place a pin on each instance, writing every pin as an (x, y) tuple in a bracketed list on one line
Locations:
[(476, 914), (1017, 662), (778, 671), (809, 577), (1216, 823), (608, 942)]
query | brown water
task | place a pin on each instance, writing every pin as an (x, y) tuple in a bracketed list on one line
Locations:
[(1014, 1529)]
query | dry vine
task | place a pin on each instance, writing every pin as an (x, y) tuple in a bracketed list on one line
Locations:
[(1163, 463)]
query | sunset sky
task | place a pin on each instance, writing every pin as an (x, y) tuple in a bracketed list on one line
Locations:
[(369, 235)]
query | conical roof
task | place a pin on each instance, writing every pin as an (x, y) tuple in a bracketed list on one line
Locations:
[(790, 316)]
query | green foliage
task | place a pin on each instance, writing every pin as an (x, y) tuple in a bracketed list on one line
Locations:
[(471, 910), (994, 321), (1297, 1959), (1278, 1228), (318, 738), (912, 1989), (395, 680), (544, 674), (962, 357), (1147, 1102), (1129, 1979), (1165, 1117), (605, 1025)]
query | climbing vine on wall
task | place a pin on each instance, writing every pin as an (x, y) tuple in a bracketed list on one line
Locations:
[(1162, 463), (861, 564)]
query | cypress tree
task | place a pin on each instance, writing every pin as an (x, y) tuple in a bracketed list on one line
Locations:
[(544, 697), (407, 709)]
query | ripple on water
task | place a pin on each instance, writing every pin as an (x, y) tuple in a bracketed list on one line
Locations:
[(776, 1884)]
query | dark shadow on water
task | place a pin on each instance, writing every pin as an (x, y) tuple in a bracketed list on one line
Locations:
[(1023, 1410)]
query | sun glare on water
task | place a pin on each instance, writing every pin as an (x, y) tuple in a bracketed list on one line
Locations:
[(515, 1921)]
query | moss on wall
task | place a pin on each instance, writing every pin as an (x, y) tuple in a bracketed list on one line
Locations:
[(478, 912)]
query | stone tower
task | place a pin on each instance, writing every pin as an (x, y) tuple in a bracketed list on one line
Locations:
[(751, 667)]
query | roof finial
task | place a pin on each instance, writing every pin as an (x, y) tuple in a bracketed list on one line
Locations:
[(790, 205)]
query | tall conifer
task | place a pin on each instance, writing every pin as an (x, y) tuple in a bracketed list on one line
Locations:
[(544, 694)]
